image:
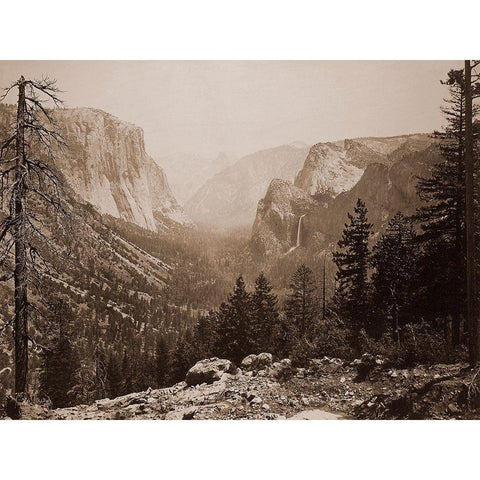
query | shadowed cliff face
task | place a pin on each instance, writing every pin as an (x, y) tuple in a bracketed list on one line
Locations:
[(276, 224), (105, 164), (386, 187)]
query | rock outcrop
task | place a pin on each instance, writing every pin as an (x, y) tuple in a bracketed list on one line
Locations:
[(257, 362), (276, 225), (209, 370), (327, 171), (106, 164)]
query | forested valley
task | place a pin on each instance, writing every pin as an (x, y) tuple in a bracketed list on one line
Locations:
[(114, 308)]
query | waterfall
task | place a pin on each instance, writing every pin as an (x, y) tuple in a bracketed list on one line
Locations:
[(298, 230)]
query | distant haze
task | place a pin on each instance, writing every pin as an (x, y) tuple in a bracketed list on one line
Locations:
[(206, 107)]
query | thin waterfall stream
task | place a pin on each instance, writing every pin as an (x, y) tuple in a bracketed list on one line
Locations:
[(298, 235)]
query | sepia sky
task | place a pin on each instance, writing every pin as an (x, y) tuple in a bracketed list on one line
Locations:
[(204, 107)]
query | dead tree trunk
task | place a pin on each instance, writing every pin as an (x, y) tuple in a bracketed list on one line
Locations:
[(28, 155), (20, 274)]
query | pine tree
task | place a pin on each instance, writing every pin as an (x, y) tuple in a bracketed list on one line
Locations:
[(442, 219), (302, 306), (162, 361), (352, 276), (265, 316), (472, 90), (183, 357), (205, 335), (235, 339), (127, 374), (59, 361), (114, 376), (393, 281), (443, 262)]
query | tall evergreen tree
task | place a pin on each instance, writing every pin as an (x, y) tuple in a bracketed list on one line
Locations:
[(352, 276), (59, 361), (127, 374), (472, 90), (393, 281), (265, 316), (183, 357), (114, 376), (205, 335), (302, 306), (162, 361), (235, 332), (442, 219)]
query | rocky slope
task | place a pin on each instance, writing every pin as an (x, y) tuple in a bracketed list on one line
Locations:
[(329, 388), (387, 185), (106, 165), (230, 198)]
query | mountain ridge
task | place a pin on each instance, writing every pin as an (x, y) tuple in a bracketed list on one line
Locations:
[(106, 164)]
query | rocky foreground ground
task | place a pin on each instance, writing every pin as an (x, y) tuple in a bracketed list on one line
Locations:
[(261, 389)]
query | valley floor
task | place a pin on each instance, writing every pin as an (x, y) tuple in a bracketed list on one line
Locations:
[(328, 389)]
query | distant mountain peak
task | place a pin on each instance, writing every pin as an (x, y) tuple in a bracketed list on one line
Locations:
[(229, 199)]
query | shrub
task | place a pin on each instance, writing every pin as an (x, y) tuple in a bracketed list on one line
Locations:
[(420, 345)]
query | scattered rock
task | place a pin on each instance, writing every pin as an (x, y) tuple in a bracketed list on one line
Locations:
[(257, 362), (453, 409), (300, 373), (282, 370), (208, 371), (182, 414)]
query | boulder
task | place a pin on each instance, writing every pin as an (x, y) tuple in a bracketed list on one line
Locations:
[(257, 362), (366, 365), (282, 370), (209, 370)]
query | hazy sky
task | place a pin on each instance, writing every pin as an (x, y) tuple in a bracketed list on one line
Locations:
[(205, 107)]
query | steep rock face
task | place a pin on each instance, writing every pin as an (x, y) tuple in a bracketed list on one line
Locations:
[(327, 171), (333, 168), (230, 198), (276, 224), (106, 165), (385, 188)]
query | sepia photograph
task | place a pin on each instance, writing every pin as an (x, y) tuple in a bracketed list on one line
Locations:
[(259, 216), (261, 240)]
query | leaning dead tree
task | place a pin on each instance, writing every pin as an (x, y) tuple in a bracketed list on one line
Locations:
[(30, 191)]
